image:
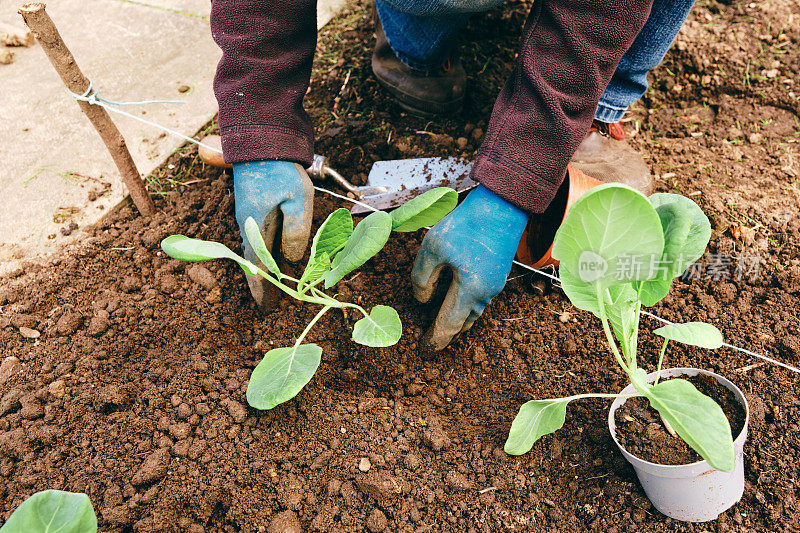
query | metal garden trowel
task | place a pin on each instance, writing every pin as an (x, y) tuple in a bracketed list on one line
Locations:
[(390, 183)]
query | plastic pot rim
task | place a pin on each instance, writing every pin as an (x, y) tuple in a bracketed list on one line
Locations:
[(687, 469)]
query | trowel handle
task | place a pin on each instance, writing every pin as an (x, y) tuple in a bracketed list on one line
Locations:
[(320, 168)]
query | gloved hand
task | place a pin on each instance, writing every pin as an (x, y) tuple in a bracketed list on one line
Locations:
[(279, 196), (477, 241)]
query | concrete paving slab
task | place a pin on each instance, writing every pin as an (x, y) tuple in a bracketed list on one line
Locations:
[(54, 169)]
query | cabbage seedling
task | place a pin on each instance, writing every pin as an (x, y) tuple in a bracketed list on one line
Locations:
[(51, 511), (336, 250), (620, 250)]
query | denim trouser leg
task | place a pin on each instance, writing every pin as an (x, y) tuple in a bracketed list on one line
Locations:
[(629, 82), (423, 32)]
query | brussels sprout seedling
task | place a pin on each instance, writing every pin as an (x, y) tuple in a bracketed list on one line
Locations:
[(620, 250), (337, 250), (53, 510)]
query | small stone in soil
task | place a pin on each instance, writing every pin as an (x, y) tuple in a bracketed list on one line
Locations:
[(364, 465), (10, 366), (57, 388), (29, 333)]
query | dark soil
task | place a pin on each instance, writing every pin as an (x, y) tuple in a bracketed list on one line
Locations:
[(641, 431), (133, 392)]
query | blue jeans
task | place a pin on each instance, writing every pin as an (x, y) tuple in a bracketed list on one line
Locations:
[(422, 34)]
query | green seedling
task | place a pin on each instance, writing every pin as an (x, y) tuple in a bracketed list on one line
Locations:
[(619, 251), (52, 511), (336, 250)]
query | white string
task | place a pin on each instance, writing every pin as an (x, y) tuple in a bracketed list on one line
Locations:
[(748, 352), (335, 195), (90, 96)]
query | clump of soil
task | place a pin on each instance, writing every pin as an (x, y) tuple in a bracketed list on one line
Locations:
[(641, 431), (131, 368)]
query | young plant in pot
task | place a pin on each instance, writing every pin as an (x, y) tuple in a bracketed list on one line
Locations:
[(336, 250), (619, 251)]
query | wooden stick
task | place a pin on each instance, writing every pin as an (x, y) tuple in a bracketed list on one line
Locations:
[(64, 63)]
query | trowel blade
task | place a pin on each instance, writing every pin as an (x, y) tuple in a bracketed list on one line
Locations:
[(404, 179)]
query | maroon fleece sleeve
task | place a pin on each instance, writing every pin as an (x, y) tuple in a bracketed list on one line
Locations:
[(267, 51), (570, 49)]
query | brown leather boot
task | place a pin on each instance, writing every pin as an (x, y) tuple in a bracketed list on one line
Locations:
[(606, 155), (424, 93)]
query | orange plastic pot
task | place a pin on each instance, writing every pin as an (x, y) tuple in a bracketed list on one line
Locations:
[(536, 243), (212, 156)]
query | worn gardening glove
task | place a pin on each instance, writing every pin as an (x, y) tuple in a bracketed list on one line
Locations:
[(280, 198), (477, 241)]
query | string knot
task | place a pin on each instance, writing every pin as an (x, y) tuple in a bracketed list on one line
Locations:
[(90, 97)]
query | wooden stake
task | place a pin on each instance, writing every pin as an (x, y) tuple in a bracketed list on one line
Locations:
[(63, 62)]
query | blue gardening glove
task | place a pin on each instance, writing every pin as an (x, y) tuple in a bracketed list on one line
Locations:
[(477, 241), (279, 196)]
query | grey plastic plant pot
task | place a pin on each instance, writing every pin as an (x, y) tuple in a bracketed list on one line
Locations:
[(694, 492)]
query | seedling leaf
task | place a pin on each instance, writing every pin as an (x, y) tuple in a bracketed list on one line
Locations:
[(620, 300), (53, 510), (425, 210), (253, 234), (622, 316), (317, 266), (332, 234), (331, 237), (654, 290), (193, 250), (692, 333), (381, 328), (607, 229), (697, 419), (282, 374), (368, 239), (582, 294), (675, 222), (535, 419), (698, 234)]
